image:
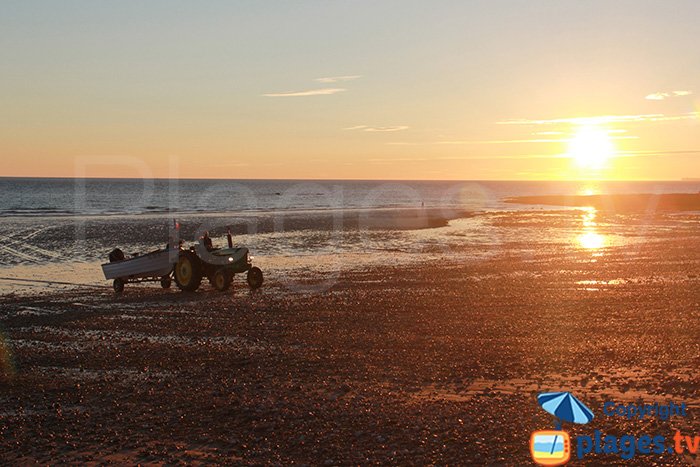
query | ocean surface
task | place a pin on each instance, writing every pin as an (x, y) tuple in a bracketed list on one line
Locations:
[(63, 229), (23, 197)]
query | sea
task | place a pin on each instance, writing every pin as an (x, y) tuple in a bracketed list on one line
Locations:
[(50, 197), (58, 231)]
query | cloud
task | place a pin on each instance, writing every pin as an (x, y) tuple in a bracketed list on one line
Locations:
[(603, 119), (504, 141), (496, 141), (317, 92), (335, 79), (659, 96), (465, 158), (310, 92), (386, 128), (376, 128), (548, 133), (476, 157), (356, 127), (658, 153)]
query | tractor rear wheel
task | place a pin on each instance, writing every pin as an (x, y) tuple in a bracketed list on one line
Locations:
[(188, 272)]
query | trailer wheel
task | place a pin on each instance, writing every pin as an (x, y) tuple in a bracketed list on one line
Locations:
[(118, 285), (188, 272), (255, 278), (222, 280), (165, 282)]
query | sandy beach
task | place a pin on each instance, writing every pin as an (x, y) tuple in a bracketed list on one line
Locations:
[(438, 361)]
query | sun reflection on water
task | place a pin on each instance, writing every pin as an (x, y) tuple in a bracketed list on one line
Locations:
[(590, 239), (588, 190)]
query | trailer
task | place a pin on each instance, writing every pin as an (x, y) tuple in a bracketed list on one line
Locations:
[(156, 266)]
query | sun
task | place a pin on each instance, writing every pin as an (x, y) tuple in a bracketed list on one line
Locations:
[(591, 147)]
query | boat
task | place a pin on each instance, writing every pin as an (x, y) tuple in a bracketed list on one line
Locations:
[(155, 266)]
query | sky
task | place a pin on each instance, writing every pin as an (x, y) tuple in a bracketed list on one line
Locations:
[(467, 90)]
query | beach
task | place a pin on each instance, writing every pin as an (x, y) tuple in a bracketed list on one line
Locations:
[(428, 356)]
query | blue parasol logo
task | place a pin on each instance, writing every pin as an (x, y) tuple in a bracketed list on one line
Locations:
[(553, 447), (565, 407)]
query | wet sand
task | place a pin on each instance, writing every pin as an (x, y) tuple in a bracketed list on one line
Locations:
[(90, 238), (439, 362)]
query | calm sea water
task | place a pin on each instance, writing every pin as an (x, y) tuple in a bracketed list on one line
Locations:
[(68, 197)]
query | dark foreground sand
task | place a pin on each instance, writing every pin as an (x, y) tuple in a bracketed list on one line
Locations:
[(435, 364)]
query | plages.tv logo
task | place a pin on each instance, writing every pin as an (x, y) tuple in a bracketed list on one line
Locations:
[(553, 447)]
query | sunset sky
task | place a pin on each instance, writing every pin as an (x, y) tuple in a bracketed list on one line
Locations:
[(351, 89)]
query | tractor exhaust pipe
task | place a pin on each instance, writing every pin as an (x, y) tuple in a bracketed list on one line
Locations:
[(229, 237)]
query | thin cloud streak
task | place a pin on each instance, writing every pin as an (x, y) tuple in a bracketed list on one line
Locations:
[(310, 92), (504, 141), (336, 79), (603, 119), (657, 153), (376, 128), (625, 154), (498, 141), (619, 154), (549, 133), (466, 158), (660, 96)]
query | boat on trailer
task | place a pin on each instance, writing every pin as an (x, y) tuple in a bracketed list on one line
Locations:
[(156, 266), (187, 266)]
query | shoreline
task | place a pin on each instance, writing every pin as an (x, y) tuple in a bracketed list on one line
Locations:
[(322, 211)]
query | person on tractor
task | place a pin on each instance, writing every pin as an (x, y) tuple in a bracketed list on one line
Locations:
[(206, 241)]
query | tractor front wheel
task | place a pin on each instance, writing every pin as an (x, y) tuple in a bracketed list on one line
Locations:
[(222, 280), (255, 278)]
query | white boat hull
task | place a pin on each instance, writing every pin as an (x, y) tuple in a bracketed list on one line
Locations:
[(156, 264)]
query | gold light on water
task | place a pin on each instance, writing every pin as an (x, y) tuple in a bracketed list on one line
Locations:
[(588, 190), (590, 239)]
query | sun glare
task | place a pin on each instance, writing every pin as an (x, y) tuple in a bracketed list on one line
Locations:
[(590, 239), (591, 147)]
